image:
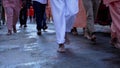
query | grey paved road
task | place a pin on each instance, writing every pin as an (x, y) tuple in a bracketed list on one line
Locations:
[(27, 50)]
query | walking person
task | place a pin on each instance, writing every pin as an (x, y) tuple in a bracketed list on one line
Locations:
[(114, 6), (64, 12), (31, 13), (39, 8), (23, 14), (80, 21), (91, 8), (12, 10)]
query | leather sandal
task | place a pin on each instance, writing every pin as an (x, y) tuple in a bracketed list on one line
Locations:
[(9, 32), (61, 48)]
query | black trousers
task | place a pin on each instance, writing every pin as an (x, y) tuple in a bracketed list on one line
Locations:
[(23, 16), (39, 14), (2, 13)]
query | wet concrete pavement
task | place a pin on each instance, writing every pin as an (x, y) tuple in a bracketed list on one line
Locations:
[(27, 50)]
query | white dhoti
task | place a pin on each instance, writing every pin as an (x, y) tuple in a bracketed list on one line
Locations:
[(64, 12)]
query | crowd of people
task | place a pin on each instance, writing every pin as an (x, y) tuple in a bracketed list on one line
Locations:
[(68, 15)]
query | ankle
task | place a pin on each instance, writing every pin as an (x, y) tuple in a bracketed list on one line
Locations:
[(9, 32), (61, 45)]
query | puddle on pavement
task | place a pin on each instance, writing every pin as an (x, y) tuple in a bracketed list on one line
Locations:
[(34, 64), (8, 47), (30, 47), (50, 31), (32, 35)]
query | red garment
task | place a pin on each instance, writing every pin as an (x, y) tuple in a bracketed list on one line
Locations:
[(103, 15), (31, 11)]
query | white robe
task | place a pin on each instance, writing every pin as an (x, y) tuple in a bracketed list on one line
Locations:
[(64, 12)]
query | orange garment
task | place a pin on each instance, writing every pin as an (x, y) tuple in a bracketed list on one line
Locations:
[(81, 16)]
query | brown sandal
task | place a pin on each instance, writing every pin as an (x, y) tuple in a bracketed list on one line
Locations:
[(61, 48), (9, 32), (93, 38), (74, 31)]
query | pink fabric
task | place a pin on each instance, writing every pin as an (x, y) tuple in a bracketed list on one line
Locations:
[(107, 2), (12, 8), (115, 13), (48, 10), (81, 16), (8, 3), (12, 3), (9, 17), (114, 6)]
